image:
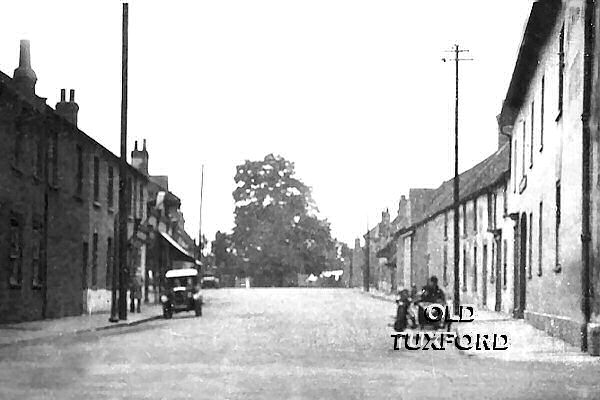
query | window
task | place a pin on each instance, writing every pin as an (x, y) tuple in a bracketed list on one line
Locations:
[(445, 266), (94, 260), (79, 174), (142, 201), (494, 266), (523, 146), (53, 160), (561, 69), (464, 218), (109, 262), (445, 226), (96, 179), (514, 167), (475, 212), (38, 159), (540, 238), (530, 247), (111, 187), (504, 261), (542, 101), (505, 201), (464, 288), (16, 252), (490, 211), (557, 228), (134, 192), (18, 149), (84, 266), (36, 255), (532, 134), (475, 267)]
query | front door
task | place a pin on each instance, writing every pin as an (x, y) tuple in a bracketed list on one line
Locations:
[(484, 272), (523, 266), (498, 306)]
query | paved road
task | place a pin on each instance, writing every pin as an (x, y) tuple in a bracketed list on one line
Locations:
[(274, 344)]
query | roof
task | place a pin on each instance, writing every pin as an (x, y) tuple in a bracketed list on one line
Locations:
[(178, 273), (490, 172), (38, 103), (536, 33)]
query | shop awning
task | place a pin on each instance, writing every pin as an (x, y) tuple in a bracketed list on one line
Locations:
[(184, 255)]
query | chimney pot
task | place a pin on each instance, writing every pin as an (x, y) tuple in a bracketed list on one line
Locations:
[(72, 95), (24, 54), (144, 145), (135, 146), (62, 94)]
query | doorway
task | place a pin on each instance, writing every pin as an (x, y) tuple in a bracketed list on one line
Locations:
[(484, 272), (520, 268), (499, 263)]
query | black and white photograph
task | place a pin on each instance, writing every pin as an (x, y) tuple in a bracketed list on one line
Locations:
[(319, 199)]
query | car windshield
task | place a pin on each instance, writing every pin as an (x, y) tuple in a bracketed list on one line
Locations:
[(186, 281)]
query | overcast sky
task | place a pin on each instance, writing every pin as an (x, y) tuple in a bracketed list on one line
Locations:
[(353, 91)]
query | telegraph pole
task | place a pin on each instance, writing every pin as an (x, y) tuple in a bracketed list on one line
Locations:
[(200, 218), (457, 51), (123, 189), (367, 275)]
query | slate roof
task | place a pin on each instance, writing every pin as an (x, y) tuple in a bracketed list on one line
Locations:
[(488, 173)]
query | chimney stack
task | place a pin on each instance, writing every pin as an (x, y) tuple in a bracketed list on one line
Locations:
[(24, 76), (139, 158), (67, 109)]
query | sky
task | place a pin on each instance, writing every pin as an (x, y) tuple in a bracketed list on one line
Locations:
[(354, 92)]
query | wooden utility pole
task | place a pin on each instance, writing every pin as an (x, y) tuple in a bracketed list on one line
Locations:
[(200, 218), (123, 181), (456, 50), (367, 274)]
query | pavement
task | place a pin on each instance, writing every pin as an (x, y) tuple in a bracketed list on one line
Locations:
[(525, 343), (11, 334), (270, 343)]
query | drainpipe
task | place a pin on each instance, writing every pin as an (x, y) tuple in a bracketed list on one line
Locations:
[(585, 184)]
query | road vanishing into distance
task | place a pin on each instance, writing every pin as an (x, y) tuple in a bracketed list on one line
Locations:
[(274, 344)]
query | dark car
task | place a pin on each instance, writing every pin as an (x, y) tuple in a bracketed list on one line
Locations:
[(182, 292), (210, 281)]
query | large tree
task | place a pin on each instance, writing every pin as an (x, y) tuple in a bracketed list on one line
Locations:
[(277, 233)]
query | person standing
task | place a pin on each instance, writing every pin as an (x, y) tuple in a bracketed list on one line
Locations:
[(136, 293)]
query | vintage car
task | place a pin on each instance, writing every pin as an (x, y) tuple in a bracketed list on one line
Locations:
[(182, 292), (209, 281)]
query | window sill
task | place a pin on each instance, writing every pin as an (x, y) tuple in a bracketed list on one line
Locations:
[(36, 179), (97, 204), (557, 269), (53, 187), (523, 184), (13, 284), (111, 210), (17, 170), (78, 198), (559, 115)]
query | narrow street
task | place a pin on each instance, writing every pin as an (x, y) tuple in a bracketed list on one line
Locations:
[(273, 344)]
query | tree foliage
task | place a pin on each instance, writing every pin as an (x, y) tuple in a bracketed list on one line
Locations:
[(277, 233)]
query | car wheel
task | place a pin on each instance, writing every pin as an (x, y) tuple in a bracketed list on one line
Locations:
[(167, 313), (198, 310)]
